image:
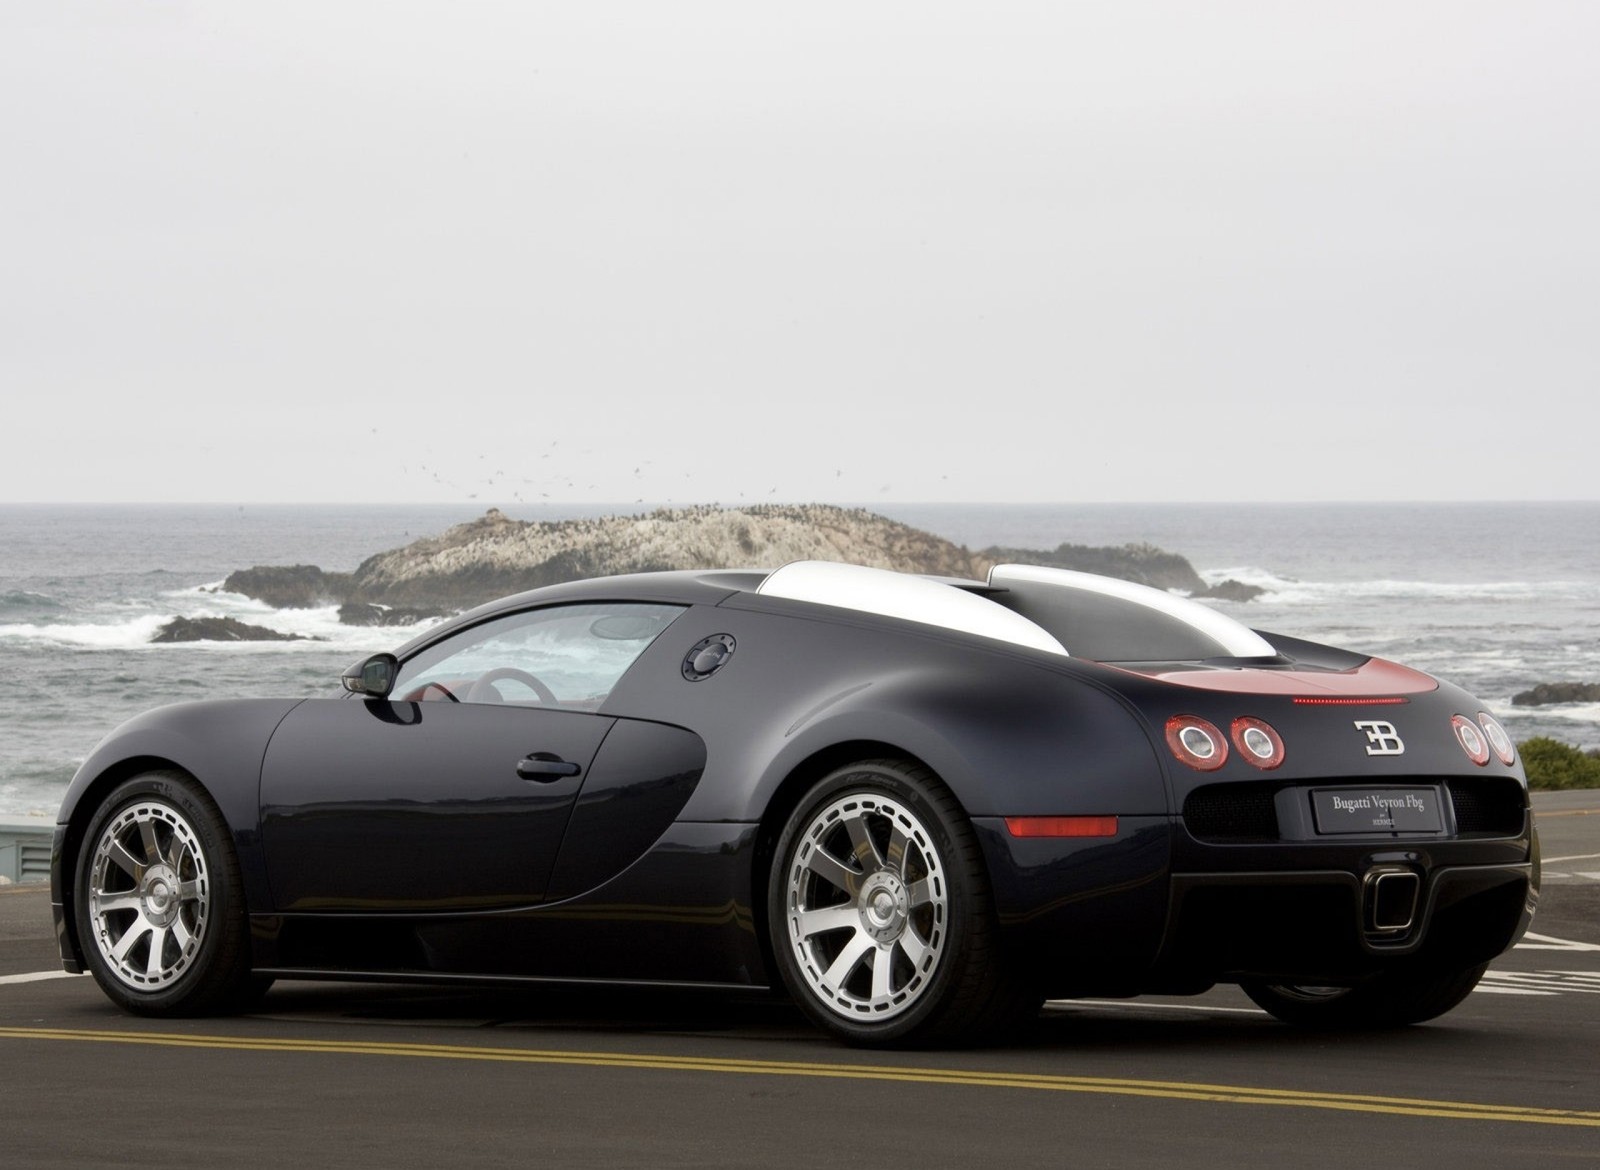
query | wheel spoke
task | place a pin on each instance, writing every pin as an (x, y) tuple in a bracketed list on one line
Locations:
[(832, 871), (189, 891), (110, 903), (882, 964), (866, 849), (899, 849), (125, 861), (147, 834), (814, 922), (181, 935), (158, 944), (919, 893), (140, 927), (913, 946), (848, 958), (177, 848)]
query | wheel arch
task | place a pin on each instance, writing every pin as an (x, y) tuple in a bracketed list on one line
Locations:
[(217, 745), (786, 797)]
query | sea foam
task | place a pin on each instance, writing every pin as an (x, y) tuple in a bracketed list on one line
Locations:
[(1290, 591), (130, 624)]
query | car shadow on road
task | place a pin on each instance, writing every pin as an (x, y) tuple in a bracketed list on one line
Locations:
[(1132, 1028)]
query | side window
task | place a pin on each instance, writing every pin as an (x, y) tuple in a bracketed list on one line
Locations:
[(563, 655)]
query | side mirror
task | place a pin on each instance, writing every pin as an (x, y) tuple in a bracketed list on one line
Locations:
[(373, 677)]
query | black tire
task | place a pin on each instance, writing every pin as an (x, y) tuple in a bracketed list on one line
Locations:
[(880, 915), (159, 904), (1393, 1000)]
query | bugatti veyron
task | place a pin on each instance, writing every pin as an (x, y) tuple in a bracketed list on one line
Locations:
[(917, 806)]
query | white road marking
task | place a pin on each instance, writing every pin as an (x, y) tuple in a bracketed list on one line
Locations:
[(36, 976), (1541, 982), (1574, 857), (1544, 942), (1491, 989)]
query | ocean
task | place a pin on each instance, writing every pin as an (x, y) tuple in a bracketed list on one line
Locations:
[(1495, 597)]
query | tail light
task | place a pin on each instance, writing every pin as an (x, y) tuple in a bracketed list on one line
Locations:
[(1258, 742), (1471, 738), (1498, 739), (1196, 742)]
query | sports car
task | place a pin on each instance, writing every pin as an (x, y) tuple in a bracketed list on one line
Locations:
[(919, 806)]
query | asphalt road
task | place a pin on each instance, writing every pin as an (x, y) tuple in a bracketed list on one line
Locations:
[(335, 1075)]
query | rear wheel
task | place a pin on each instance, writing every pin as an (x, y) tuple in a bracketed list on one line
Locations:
[(158, 901), (1389, 1001), (880, 913)]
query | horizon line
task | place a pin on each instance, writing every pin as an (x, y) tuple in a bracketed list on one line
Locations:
[(745, 503)]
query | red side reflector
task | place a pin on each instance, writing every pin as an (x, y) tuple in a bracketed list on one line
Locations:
[(1062, 826), (1304, 701)]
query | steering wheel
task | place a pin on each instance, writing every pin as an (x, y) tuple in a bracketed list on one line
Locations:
[(483, 691)]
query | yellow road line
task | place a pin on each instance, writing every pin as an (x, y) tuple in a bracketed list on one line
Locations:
[(1117, 1086)]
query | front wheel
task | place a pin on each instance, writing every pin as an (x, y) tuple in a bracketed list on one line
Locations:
[(880, 913), (159, 903), (1389, 1001)]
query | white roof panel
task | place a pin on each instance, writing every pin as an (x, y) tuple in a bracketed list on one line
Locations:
[(1238, 641), (900, 595)]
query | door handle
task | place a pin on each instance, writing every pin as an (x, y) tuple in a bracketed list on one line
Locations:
[(545, 767)]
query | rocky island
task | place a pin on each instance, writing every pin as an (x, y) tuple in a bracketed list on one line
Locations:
[(220, 629), (1544, 694), (494, 555)]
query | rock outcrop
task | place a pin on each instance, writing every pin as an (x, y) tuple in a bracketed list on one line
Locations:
[(220, 629), (494, 555), (1557, 692), (490, 557), (1231, 590), (1143, 563), (289, 586)]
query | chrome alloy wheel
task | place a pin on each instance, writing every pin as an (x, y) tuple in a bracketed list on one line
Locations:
[(867, 906), (149, 895)]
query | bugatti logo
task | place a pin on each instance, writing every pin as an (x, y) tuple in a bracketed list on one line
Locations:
[(1382, 738)]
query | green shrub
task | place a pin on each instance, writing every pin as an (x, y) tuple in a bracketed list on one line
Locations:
[(1553, 764)]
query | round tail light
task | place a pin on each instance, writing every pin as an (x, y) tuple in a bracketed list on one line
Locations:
[(1471, 738), (1258, 742), (1196, 742), (1498, 739)]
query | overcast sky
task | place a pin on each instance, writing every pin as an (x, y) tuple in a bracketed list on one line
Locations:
[(591, 251)]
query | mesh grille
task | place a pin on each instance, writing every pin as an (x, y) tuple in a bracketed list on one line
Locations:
[(1492, 805), (1232, 812)]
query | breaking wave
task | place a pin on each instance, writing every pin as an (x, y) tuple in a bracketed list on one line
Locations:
[(129, 625), (1291, 591)]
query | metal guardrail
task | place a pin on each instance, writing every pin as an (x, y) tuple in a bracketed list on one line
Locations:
[(25, 849)]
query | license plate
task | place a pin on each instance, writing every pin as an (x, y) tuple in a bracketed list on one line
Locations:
[(1377, 810)]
